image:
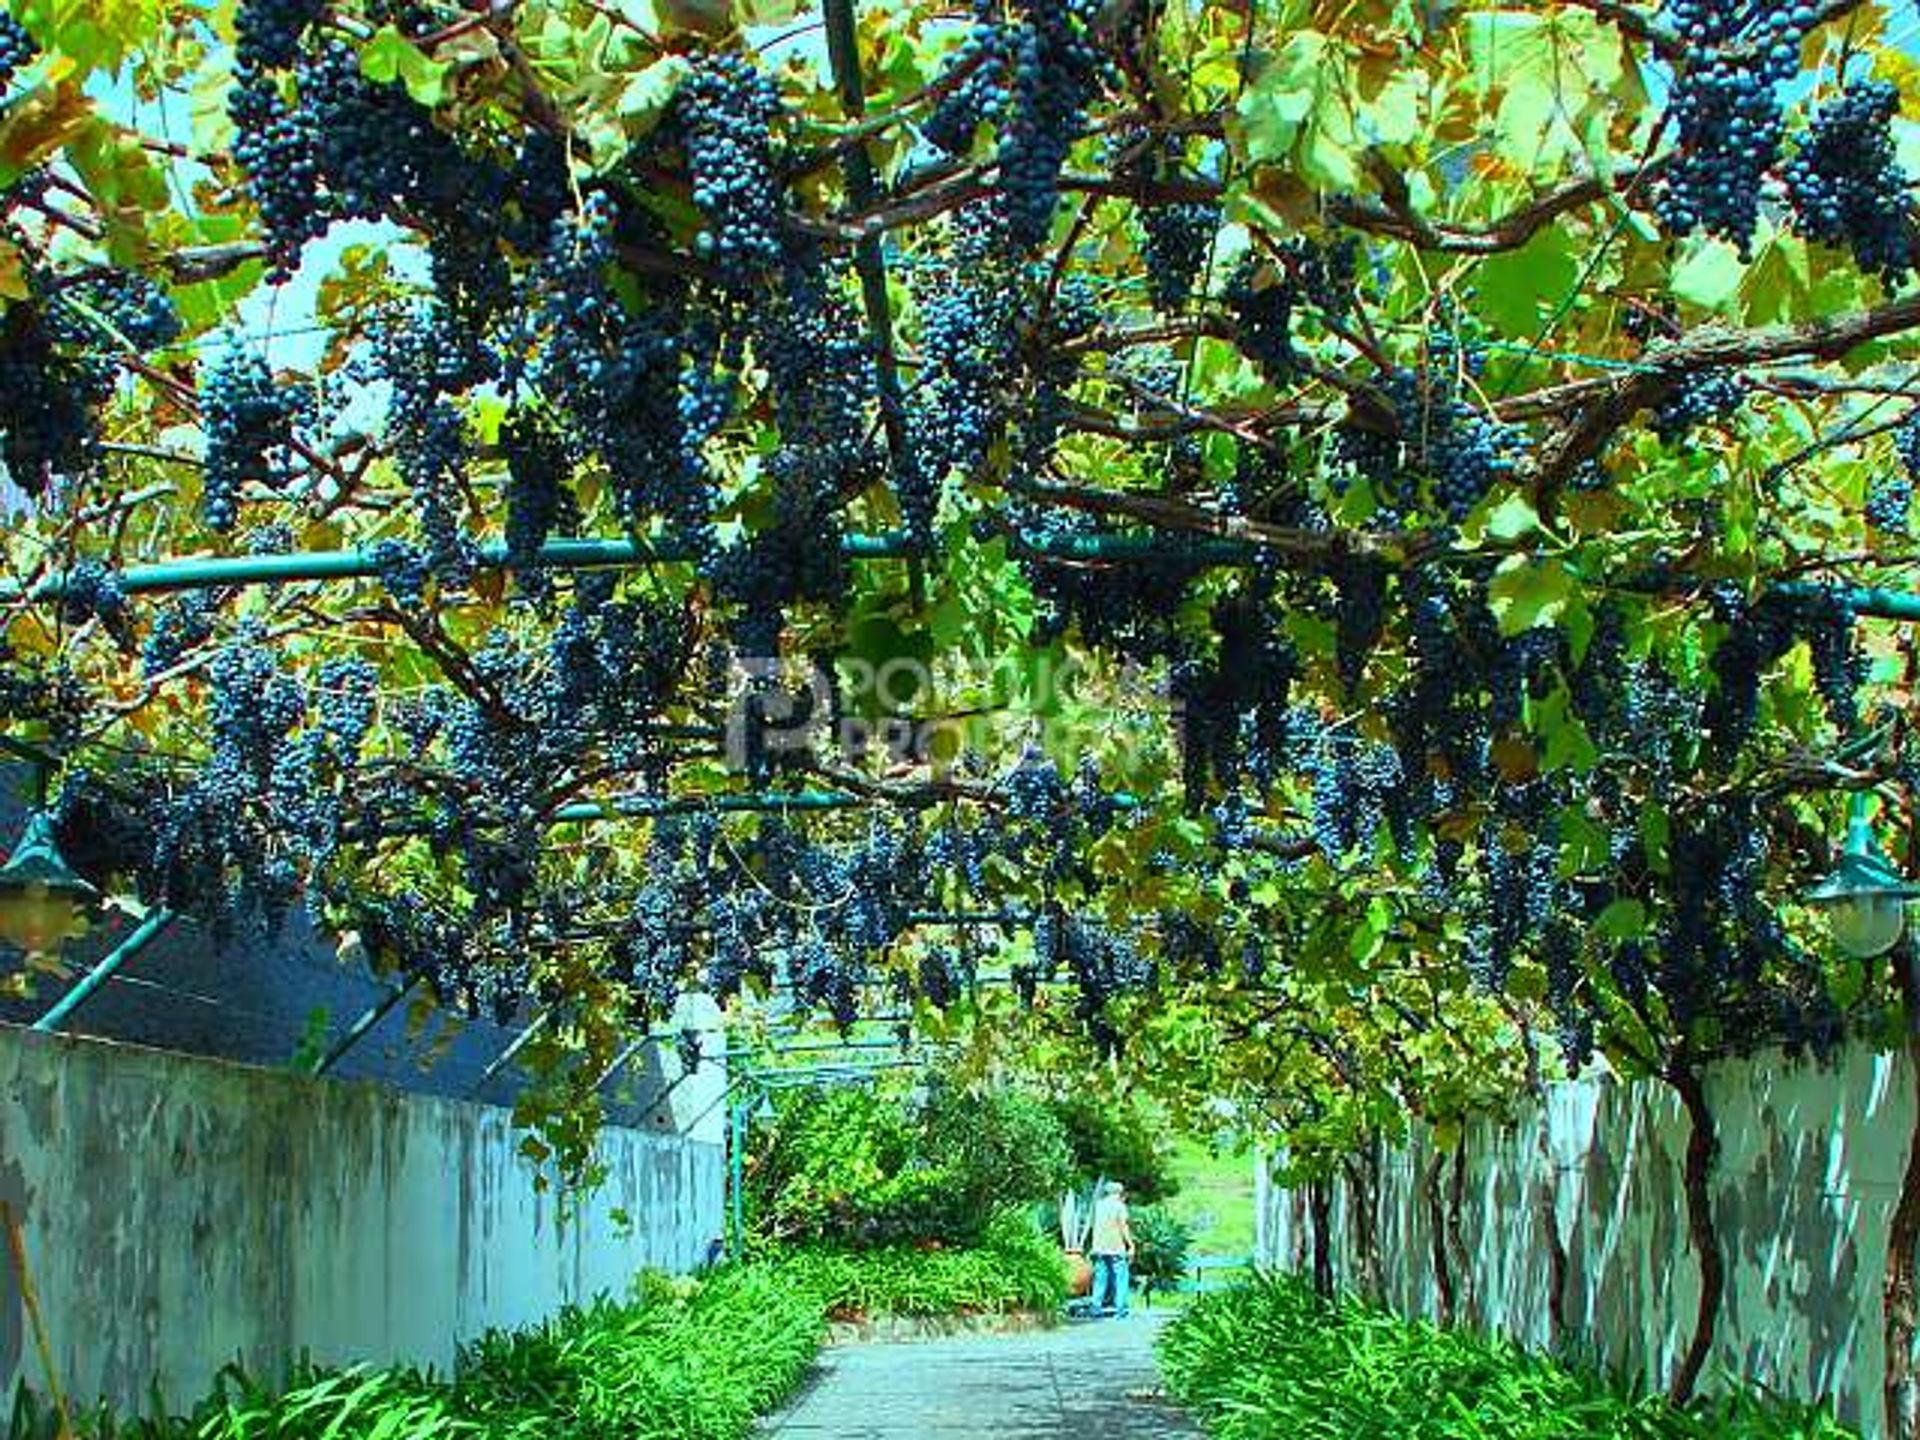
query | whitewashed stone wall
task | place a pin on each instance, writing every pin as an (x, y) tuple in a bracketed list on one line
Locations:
[(1808, 1176)]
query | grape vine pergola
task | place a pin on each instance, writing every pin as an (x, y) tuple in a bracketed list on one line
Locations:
[(1352, 555)]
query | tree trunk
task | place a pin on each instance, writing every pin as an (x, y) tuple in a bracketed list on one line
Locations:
[(1702, 1148), (1441, 1241), (1547, 1201), (1900, 1306), (1375, 1161), (1549, 1220), (1320, 1205), (1363, 1218), (1465, 1301)]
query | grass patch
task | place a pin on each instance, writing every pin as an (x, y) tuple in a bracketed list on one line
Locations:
[(1215, 1198), (1270, 1360)]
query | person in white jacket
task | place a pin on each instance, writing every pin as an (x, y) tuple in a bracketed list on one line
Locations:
[(1113, 1251)]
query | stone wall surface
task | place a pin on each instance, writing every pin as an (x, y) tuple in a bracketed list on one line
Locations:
[(1807, 1179), (181, 1212)]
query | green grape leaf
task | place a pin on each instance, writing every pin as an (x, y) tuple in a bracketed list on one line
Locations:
[(390, 56), (1709, 275), (1524, 593), (1518, 290)]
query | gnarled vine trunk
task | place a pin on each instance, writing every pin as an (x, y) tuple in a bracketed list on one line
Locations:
[(1465, 1299), (1547, 1200), (1440, 1241), (1703, 1145), (1320, 1208), (1900, 1304), (1557, 1263), (1363, 1216)]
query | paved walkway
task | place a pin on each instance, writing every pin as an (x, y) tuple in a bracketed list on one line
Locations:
[(1084, 1380)]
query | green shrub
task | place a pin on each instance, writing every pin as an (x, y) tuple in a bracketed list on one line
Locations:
[(1162, 1243), (1116, 1140), (856, 1167), (694, 1367), (682, 1363), (1270, 1359), (357, 1403), (1001, 1148), (1016, 1267)]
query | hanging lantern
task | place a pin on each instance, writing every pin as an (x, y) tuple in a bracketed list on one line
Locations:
[(1865, 897), (43, 900)]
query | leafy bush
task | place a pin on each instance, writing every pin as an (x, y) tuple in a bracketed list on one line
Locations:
[(703, 1365), (357, 1403), (1001, 1148), (1163, 1242), (856, 1167), (1015, 1268), (1269, 1358), (692, 1363), (1116, 1140)]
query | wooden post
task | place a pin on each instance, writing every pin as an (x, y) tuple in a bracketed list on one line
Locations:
[(30, 1298)]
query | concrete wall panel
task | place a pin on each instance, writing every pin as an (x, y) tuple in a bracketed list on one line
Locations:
[(182, 1212), (1809, 1172)]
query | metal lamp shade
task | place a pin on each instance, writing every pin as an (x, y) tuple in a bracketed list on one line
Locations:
[(1865, 897), (43, 900)]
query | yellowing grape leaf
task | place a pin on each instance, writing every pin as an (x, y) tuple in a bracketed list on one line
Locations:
[(699, 17), (645, 96), (38, 126), (13, 276)]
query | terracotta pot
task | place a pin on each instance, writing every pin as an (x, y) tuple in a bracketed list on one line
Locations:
[(1079, 1275)]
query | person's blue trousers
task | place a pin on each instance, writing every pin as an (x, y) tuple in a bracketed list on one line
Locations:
[(1112, 1279)]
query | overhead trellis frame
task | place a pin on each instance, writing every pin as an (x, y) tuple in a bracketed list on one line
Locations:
[(298, 567)]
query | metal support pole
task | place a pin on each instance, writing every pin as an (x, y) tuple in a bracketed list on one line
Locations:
[(156, 921), (238, 570), (737, 1180), (627, 1052), (1864, 599), (363, 1027), (235, 571), (506, 1056), (643, 807)]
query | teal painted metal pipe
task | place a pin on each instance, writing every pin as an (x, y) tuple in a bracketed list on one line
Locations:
[(969, 917), (226, 571), (363, 1027), (143, 934), (1091, 548), (217, 572), (1864, 599), (637, 808), (737, 1180), (783, 1079)]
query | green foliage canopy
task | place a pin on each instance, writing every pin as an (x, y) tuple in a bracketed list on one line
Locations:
[(1339, 395)]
